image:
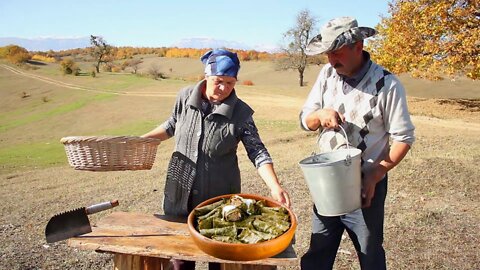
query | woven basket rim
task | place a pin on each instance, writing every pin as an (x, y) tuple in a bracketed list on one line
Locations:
[(107, 138)]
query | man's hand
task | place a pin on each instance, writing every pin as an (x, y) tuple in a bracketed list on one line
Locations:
[(374, 173), (371, 177), (326, 118)]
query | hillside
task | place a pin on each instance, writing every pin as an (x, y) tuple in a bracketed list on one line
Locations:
[(56, 105)]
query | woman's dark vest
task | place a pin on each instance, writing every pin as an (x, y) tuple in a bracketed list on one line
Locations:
[(204, 164)]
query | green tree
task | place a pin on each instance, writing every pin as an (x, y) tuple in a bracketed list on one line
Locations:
[(297, 40), (430, 38), (100, 51)]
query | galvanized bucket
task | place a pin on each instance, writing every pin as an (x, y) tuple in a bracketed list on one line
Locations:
[(334, 180)]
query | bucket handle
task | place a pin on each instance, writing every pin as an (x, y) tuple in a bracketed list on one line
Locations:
[(348, 158)]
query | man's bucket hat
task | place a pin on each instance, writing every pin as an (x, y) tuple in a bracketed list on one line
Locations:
[(337, 33)]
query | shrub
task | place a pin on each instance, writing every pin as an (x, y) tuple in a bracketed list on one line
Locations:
[(107, 67), (42, 58), (93, 74), (247, 82), (69, 66), (154, 71), (116, 69), (124, 65), (25, 95)]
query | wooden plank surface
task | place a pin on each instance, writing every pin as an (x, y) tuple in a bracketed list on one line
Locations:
[(156, 236)]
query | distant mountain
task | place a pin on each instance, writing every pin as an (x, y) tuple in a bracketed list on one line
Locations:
[(267, 48), (45, 44), (58, 44), (202, 43)]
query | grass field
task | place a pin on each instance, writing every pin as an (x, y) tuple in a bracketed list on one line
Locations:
[(432, 208)]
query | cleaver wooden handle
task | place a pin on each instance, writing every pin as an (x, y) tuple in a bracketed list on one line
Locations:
[(100, 207)]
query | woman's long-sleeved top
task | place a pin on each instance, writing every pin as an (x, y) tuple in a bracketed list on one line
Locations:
[(204, 163)]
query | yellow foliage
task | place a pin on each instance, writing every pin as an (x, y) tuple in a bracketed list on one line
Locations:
[(15, 54), (42, 58), (116, 69), (430, 38), (68, 66), (123, 53)]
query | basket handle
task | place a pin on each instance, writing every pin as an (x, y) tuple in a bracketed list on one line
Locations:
[(348, 158)]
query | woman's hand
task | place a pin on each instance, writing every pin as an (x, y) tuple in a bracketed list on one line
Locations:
[(280, 195), (269, 176)]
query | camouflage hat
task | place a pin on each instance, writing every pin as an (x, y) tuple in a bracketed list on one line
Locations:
[(336, 33)]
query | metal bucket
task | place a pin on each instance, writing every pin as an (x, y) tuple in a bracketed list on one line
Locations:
[(334, 180)]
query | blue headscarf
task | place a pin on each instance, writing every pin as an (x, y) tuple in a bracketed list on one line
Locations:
[(221, 62)]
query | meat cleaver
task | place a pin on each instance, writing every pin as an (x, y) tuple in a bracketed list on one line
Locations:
[(74, 222)]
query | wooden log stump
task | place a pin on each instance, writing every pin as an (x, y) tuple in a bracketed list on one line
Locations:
[(133, 262), (236, 266)]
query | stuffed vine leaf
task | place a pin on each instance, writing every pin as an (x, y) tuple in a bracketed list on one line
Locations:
[(239, 220)]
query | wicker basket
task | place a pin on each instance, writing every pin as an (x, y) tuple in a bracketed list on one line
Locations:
[(110, 153)]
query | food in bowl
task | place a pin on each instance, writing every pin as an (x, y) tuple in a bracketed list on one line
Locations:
[(239, 251), (241, 220)]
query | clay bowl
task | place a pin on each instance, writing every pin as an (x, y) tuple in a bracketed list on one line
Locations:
[(242, 252)]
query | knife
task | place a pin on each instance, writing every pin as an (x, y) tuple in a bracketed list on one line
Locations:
[(74, 222)]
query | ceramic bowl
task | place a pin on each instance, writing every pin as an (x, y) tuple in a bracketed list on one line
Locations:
[(240, 251)]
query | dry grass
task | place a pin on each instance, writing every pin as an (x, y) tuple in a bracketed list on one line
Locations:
[(432, 208)]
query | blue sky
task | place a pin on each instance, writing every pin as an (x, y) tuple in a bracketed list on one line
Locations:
[(150, 23)]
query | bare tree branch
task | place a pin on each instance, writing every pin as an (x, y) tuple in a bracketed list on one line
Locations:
[(297, 39)]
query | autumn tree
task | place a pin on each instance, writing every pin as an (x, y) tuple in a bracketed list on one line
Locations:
[(297, 38), (15, 54), (430, 38), (100, 51)]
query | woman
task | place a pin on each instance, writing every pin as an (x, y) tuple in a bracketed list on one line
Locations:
[(208, 122)]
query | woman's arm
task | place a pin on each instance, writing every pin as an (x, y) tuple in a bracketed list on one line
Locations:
[(157, 133), (267, 173), (167, 129), (258, 154)]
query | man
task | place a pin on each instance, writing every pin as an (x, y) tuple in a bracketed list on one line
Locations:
[(370, 104)]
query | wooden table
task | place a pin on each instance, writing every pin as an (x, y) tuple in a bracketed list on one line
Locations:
[(146, 241)]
